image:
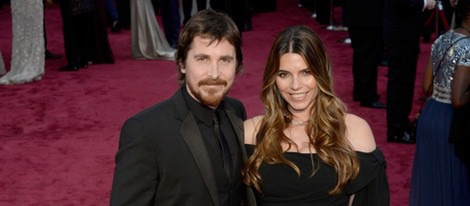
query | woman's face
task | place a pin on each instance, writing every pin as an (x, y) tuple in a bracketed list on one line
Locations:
[(296, 83)]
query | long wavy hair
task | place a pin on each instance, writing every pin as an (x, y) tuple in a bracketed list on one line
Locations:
[(326, 127)]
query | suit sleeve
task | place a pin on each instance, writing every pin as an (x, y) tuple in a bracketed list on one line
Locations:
[(417, 5), (238, 107), (136, 172)]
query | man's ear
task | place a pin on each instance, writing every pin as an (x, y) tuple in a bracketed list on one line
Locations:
[(181, 67)]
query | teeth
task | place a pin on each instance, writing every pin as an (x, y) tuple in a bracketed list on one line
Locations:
[(298, 95)]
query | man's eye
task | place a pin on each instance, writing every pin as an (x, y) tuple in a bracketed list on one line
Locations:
[(226, 60)]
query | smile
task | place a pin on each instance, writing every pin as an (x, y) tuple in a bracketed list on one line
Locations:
[(298, 95)]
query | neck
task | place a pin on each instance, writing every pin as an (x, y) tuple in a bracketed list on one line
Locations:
[(465, 28)]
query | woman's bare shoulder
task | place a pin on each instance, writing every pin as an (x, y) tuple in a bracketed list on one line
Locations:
[(359, 133), (251, 129)]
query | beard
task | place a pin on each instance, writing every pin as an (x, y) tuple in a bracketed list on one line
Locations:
[(211, 97)]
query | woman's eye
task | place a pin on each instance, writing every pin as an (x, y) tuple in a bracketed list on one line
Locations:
[(282, 74), (306, 72)]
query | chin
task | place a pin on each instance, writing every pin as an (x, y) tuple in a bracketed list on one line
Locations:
[(213, 99), (297, 108)]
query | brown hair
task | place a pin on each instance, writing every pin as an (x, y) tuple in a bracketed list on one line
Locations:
[(326, 127)]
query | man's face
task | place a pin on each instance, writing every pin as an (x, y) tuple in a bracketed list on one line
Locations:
[(210, 70)]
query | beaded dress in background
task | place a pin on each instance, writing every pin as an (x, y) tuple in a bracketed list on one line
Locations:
[(439, 177), (147, 39), (27, 56)]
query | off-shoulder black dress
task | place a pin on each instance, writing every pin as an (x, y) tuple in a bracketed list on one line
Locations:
[(282, 186)]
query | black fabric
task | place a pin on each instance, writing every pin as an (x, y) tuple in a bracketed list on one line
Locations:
[(403, 58), (460, 133), (224, 152), (76, 7), (365, 31), (77, 38), (163, 157), (227, 159), (282, 186), (370, 187)]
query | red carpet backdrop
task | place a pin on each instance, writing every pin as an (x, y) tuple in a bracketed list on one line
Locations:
[(58, 136)]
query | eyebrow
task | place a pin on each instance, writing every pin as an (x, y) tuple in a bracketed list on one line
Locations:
[(222, 57), (306, 69), (227, 57), (201, 55)]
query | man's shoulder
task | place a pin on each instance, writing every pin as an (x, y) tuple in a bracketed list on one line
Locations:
[(155, 110), (233, 102), (236, 106), (163, 107)]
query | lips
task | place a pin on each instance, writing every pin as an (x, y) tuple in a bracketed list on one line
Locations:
[(298, 96)]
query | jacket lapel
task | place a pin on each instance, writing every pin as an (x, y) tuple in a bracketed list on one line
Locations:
[(250, 199), (237, 124), (192, 136)]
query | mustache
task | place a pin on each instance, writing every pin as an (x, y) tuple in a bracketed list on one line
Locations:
[(212, 82)]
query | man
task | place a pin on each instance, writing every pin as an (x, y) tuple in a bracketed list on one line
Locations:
[(170, 154), (48, 54), (238, 10), (77, 23), (188, 8), (403, 25), (365, 31), (169, 10)]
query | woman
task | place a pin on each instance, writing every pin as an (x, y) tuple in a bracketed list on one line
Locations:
[(147, 39), (305, 149), (439, 177), (27, 56)]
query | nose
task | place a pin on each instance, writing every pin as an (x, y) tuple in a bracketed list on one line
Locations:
[(295, 84), (214, 70)]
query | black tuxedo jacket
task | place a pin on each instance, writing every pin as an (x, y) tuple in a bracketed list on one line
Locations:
[(403, 20), (163, 160), (365, 13)]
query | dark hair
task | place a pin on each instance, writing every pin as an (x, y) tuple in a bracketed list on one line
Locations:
[(462, 12), (208, 24), (326, 127)]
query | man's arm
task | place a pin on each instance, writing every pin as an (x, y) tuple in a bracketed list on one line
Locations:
[(136, 172)]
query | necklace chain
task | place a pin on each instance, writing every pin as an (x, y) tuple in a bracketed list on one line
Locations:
[(298, 123)]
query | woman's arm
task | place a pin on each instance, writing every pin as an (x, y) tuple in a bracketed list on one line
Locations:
[(351, 200), (251, 127), (427, 83)]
